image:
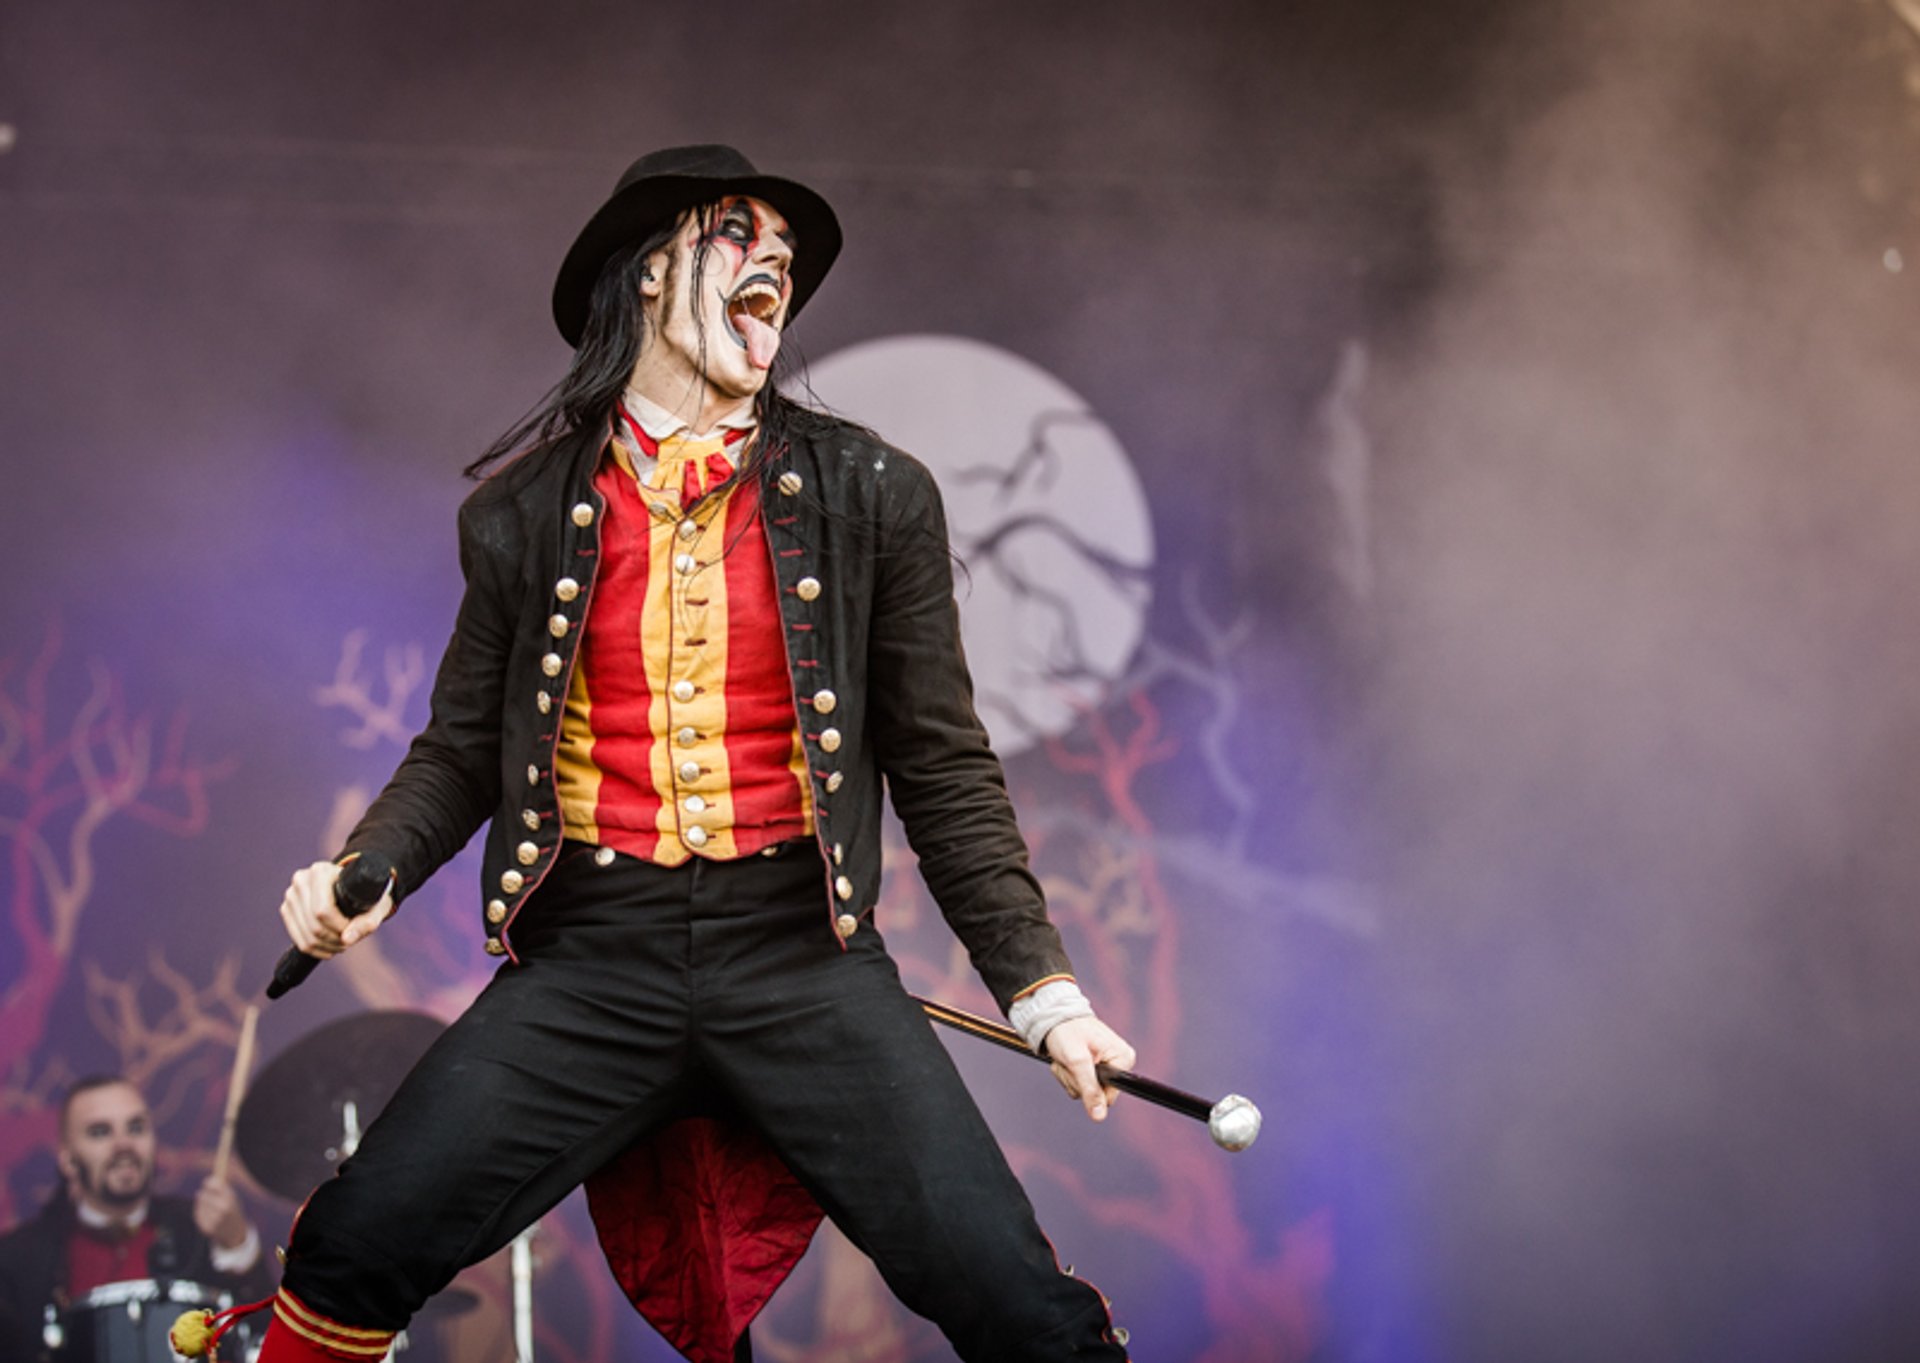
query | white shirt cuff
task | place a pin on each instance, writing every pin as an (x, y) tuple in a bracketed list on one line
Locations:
[(241, 1258), (1038, 1013)]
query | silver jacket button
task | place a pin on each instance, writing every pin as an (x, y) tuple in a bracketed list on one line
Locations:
[(603, 857), (791, 482), (824, 701), (497, 911), (528, 853), (558, 626), (807, 588), (551, 664), (830, 740), (511, 881), (583, 514), (566, 589), (843, 887), (835, 781), (846, 925), (531, 818)]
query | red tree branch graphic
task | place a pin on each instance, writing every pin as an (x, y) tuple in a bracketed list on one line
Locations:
[(351, 690), (65, 775)]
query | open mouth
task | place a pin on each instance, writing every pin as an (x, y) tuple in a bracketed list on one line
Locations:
[(750, 313)]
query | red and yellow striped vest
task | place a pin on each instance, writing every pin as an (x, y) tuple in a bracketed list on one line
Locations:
[(678, 736)]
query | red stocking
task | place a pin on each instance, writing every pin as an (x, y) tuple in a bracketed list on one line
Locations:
[(300, 1334)]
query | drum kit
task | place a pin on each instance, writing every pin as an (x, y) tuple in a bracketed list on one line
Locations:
[(296, 1123)]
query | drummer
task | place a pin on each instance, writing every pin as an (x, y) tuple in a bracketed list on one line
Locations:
[(106, 1224)]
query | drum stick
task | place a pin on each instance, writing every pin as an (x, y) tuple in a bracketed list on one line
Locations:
[(236, 1089)]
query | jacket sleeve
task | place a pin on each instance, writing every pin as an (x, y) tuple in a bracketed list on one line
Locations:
[(945, 781), (449, 782), (28, 1254)]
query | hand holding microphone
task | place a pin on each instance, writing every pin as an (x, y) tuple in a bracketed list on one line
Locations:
[(327, 908)]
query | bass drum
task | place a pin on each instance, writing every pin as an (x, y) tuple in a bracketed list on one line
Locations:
[(127, 1322)]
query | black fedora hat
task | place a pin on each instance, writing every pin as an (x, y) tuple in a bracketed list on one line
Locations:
[(660, 186)]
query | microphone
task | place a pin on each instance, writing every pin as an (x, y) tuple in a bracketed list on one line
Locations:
[(361, 884)]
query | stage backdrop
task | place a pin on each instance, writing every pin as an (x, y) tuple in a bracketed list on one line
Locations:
[(1436, 483)]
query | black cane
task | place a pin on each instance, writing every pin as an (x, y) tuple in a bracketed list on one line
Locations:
[(1233, 1122)]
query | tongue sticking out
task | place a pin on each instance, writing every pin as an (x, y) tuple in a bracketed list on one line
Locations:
[(763, 342)]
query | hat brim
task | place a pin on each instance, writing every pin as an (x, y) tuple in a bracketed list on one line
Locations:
[(645, 206)]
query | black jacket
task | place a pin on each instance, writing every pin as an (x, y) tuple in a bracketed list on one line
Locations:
[(33, 1268), (858, 542)]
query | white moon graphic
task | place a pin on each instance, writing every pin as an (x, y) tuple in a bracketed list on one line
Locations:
[(1044, 509)]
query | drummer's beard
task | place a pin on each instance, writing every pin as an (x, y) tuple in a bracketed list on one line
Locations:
[(119, 1184)]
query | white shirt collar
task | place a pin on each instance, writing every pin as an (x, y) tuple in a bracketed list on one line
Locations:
[(89, 1215), (659, 423)]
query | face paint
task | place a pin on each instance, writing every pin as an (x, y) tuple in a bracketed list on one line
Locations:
[(719, 316), (757, 300), (107, 1147)]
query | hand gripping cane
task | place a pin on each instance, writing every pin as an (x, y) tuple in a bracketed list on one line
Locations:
[(1233, 1122)]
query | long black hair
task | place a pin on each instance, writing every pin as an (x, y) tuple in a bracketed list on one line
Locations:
[(610, 344)]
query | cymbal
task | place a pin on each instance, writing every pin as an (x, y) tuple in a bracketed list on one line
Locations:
[(292, 1123)]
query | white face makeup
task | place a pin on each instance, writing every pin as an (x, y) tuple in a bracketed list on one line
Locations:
[(718, 304)]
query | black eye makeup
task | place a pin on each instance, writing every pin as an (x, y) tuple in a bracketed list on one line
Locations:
[(737, 225)]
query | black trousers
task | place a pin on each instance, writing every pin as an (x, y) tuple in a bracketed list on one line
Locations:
[(642, 993)]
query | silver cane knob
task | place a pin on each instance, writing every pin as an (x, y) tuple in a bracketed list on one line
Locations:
[(1234, 1122)]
